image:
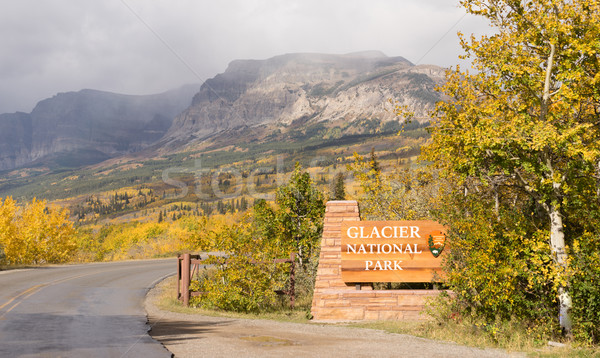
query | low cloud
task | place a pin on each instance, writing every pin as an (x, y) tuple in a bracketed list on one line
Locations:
[(141, 47)]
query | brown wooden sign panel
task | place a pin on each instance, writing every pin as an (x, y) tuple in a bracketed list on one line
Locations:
[(393, 251)]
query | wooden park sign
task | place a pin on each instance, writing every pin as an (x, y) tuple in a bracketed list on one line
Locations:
[(392, 251)]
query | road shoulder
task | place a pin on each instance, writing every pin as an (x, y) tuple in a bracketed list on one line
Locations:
[(191, 335)]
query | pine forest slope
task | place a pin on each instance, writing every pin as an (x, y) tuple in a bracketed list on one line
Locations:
[(243, 127)]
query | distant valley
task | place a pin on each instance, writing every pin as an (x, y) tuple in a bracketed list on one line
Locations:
[(313, 108)]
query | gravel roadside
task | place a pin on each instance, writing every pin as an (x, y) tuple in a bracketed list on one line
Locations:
[(189, 335)]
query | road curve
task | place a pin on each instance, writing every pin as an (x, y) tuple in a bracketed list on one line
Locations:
[(92, 310)]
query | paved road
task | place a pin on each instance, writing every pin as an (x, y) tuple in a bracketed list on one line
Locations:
[(93, 310)]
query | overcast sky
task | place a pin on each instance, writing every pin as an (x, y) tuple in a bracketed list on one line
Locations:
[(143, 47)]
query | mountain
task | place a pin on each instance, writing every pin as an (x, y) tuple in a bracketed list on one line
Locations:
[(85, 127), (295, 107), (285, 92)]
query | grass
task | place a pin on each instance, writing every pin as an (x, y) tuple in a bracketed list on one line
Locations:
[(509, 336), (15, 267)]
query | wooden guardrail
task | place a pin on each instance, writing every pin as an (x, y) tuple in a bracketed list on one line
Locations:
[(188, 265)]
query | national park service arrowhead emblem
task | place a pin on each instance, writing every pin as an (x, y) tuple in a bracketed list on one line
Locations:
[(436, 241)]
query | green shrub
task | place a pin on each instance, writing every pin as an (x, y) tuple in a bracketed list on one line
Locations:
[(585, 289)]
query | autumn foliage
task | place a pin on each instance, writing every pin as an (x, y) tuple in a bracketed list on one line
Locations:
[(519, 141), (34, 233), (246, 278)]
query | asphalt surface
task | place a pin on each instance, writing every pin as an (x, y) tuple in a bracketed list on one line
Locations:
[(93, 310), (97, 310)]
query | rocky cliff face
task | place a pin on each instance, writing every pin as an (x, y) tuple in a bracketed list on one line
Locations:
[(279, 98), (309, 88), (88, 125), (15, 140)]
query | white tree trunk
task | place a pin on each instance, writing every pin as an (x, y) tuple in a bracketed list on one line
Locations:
[(557, 245), (598, 180)]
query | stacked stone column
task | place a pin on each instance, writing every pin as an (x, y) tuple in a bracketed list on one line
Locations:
[(335, 300)]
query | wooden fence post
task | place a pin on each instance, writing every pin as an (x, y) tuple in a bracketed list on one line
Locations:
[(179, 277), (185, 279)]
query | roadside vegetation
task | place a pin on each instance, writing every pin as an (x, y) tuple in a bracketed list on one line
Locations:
[(35, 233), (247, 279), (519, 144), (513, 162)]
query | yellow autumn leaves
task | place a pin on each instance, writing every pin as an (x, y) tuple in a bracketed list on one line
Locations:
[(137, 240), (39, 233), (34, 233)]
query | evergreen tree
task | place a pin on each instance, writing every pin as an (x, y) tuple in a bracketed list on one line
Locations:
[(339, 191)]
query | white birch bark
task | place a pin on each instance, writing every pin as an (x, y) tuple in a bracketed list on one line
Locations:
[(557, 243)]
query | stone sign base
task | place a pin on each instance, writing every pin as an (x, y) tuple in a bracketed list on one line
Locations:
[(335, 300)]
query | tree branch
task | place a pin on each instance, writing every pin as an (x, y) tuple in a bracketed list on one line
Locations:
[(546, 96)]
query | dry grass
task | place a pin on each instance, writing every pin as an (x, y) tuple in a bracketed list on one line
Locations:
[(509, 337)]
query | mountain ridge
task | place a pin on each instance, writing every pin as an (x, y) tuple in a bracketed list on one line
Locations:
[(278, 91), (101, 121), (282, 98)]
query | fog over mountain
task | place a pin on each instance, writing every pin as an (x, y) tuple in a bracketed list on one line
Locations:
[(88, 126), (289, 90), (145, 47), (281, 97)]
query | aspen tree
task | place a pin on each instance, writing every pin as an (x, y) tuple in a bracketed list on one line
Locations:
[(527, 116)]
